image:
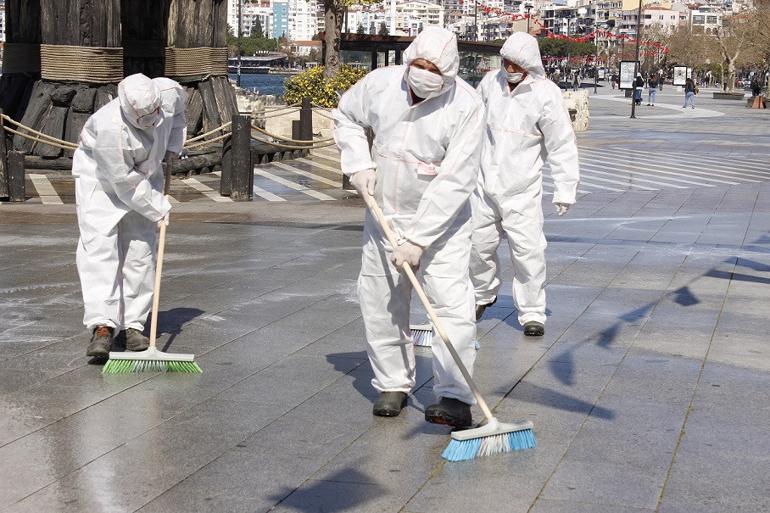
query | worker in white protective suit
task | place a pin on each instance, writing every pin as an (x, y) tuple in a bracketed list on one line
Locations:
[(119, 193), (526, 125), (421, 169)]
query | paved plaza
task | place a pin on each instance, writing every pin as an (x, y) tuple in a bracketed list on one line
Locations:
[(649, 391)]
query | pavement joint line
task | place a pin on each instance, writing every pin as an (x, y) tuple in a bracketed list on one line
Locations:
[(739, 162), (328, 156), (151, 376), (307, 174), (320, 166), (686, 162), (584, 181), (696, 386), (206, 190), (299, 404), (291, 185), (667, 170), (635, 174), (638, 329), (45, 190)]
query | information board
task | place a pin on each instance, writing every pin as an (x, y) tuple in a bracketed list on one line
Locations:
[(680, 75), (627, 74)]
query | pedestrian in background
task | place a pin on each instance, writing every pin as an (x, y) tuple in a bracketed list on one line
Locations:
[(638, 88), (689, 93), (756, 92), (652, 89)]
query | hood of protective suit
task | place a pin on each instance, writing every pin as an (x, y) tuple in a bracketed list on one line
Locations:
[(438, 46), (523, 50), (172, 95), (140, 101)]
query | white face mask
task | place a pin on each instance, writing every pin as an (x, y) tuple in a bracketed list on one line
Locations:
[(424, 83), (513, 78)]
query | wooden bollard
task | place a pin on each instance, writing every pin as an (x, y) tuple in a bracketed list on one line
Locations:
[(306, 122), (242, 172), (16, 184), (3, 164)]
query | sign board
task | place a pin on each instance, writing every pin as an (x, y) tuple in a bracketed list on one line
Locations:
[(680, 75), (602, 74), (627, 74)]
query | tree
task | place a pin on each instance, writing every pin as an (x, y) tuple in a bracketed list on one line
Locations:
[(383, 31), (360, 29), (334, 11), (256, 30), (732, 38)]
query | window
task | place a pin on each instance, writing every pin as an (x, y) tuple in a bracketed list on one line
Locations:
[(698, 20), (711, 19)]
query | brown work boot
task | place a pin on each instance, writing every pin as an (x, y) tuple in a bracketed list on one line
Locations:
[(101, 342), (135, 341)]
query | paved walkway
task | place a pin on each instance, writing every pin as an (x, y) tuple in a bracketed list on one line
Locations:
[(648, 392)]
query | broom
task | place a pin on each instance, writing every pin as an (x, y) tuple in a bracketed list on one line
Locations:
[(493, 437), (422, 335), (152, 359)]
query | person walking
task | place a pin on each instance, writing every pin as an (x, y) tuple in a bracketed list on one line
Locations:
[(690, 90), (422, 166), (526, 126), (638, 88), (756, 92), (652, 89)]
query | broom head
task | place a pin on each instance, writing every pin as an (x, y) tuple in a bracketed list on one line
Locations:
[(492, 438), (150, 360)]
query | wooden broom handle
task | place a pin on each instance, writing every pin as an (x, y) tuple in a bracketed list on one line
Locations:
[(388, 232), (159, 260)]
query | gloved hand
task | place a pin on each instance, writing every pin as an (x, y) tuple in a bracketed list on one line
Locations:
[(562, 208), (407, 252), (364, 181), (165, 219)]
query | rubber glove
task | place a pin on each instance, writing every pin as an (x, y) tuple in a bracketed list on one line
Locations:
[(407, 252), (165, 219), (562, 208), (364, 181)]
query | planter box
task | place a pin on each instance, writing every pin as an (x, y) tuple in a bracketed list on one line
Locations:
[(728, 96)]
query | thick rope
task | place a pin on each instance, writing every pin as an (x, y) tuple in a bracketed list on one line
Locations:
[(202, 60), (205, 143), (286, 139), (81, 63), (41, 137), (279, 114), (210, 132), (288, 147)]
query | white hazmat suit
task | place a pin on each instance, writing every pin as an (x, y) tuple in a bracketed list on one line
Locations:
[(119, 195), (426, 157), (524, 128)]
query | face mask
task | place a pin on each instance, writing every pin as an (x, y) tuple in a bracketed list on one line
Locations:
[(513, 78), (423, 83)]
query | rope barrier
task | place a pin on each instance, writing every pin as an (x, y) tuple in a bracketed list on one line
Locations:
[(289, 147), (210, 132), (205, 143), (41, 137), (286, 139), (292, 111)]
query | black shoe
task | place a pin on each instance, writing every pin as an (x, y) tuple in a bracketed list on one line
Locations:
[(101, 342), (135, 341), (534, 329), (389, 404), (450, 412), (480, 309)]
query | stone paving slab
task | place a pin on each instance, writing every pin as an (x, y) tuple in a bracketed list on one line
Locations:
[(648, 391)]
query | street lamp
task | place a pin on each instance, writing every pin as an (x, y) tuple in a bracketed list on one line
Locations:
[(527, 8), (636, 62)]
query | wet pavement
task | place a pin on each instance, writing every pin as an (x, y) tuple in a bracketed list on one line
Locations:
[(648, 392)]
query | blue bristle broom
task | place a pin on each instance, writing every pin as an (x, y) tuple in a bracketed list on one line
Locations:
[(493, 437)]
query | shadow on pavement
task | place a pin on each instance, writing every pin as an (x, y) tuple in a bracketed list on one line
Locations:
[(345, 490)]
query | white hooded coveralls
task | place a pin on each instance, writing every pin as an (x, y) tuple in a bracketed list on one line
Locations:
[(426, 156), (119, 196), (524, 128)]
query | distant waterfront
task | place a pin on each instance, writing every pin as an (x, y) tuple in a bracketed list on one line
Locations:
[(265, 84)]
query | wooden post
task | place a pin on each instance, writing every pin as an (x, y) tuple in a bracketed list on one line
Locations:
[(374, 60), (399, 58), (306, 122), (16, 185), (242, 166), (3, 167), (225, 181)]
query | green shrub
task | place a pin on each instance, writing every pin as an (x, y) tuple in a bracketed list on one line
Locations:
[(321, 91)]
